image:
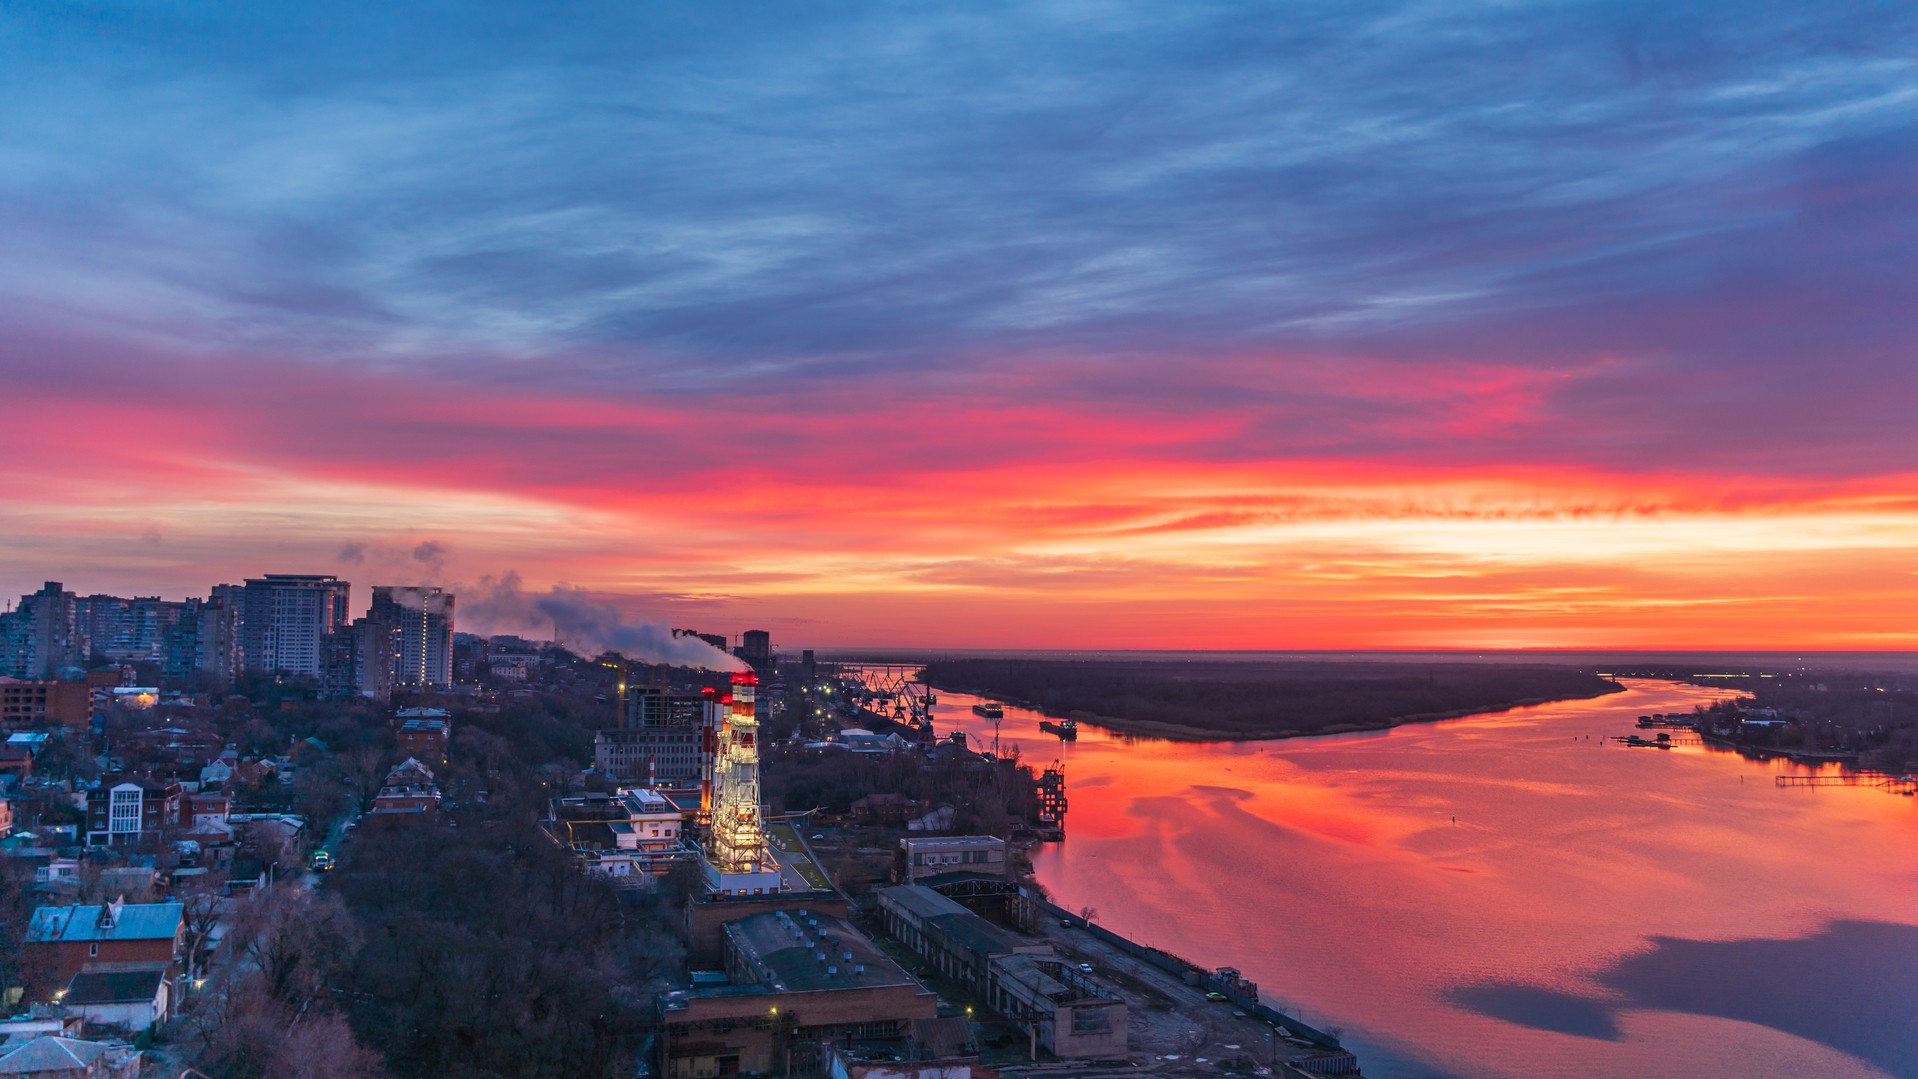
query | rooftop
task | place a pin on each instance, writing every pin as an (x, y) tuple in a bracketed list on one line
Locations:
[(114, 986), (952, 842), (791, 952), (110, 921), (51, 1054)]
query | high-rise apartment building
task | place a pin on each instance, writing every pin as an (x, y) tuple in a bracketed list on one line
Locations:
[(42, 635), (756, 648), (217, 651), (358, 661), (422, 619), (285, 618)]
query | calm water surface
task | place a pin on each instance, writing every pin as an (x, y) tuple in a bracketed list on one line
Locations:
[(1594, 910)]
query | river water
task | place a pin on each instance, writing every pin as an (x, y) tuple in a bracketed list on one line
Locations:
[(1509, 894)]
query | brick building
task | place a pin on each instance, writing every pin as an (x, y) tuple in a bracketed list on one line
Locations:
[(63, 941), (130, 810), (409, 790), (41, 705), (796, 980)]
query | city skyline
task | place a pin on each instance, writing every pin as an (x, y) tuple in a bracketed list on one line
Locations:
[(1037, 326)]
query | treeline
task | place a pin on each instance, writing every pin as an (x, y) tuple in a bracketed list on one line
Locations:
[(1875, 716), (471, 945), (1258, 700)]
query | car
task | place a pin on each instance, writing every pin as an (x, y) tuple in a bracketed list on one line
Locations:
[(322, 861), (1086, 967), (1066, 923), (818, 835), (1215, 996)]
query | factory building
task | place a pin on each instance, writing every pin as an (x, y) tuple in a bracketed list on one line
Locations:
[(664, 738), (796, 982), (1066, 1010)]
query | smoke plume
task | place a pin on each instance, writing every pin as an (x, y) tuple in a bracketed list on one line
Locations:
[(431, 554), (583, 624)]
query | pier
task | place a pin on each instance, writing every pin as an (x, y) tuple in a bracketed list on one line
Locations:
[(1884, 781)]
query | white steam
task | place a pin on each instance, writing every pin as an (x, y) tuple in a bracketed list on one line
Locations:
[(583, 624)]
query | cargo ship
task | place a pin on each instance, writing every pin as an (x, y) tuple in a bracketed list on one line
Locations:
[(990, 711), (1067, 729)]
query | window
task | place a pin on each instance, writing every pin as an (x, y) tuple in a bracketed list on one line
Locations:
[(93, 950), (1090, 1020)]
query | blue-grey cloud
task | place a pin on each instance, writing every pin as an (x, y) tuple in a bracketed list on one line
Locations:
[(641, 200)]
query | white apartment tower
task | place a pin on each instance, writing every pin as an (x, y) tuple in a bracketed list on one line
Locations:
[(285, 620)]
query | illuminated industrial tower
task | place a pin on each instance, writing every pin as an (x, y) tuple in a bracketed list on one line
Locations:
[(738, 861)]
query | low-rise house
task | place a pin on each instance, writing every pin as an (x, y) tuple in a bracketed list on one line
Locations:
[(15, 760), (133, 1000), (55, 1057), (20, 1030), (63, 941), (886, 807), (424, 733), (408, 790)]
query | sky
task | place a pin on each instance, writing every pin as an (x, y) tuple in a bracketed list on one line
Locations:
[(1047, 324)]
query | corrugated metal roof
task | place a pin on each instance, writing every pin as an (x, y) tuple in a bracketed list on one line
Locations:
[(136, 921)]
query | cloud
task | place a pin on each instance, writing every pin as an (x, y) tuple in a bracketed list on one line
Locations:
[(967, 300), (431, 554)]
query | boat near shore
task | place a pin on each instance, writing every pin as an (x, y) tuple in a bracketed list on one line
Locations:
[(989, 711), (1067, 729)]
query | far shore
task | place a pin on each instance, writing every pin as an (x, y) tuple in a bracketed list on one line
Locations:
[(1175, 732), (1187, 702)]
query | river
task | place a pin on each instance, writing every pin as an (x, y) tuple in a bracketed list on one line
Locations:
[(1509, 894)]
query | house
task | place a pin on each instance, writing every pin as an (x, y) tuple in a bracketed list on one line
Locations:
[(63, 941), (408, 790), (54, 1057), (130, 999), (425, 738), (886, 807), (16, 760), (131, 809), (20, 1030)]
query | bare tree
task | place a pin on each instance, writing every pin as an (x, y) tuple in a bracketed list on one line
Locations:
[(298, 940)]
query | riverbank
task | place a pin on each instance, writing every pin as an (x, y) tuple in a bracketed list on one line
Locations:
[(1240, 702), (1173, 732)]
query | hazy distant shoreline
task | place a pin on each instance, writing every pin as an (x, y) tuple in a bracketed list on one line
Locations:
[(1173, 732), (1192, 701)]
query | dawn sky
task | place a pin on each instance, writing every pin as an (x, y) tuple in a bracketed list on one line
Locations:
[(1042, 325)]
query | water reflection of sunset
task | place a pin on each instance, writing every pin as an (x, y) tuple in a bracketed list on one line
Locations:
[(1332, 870)]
